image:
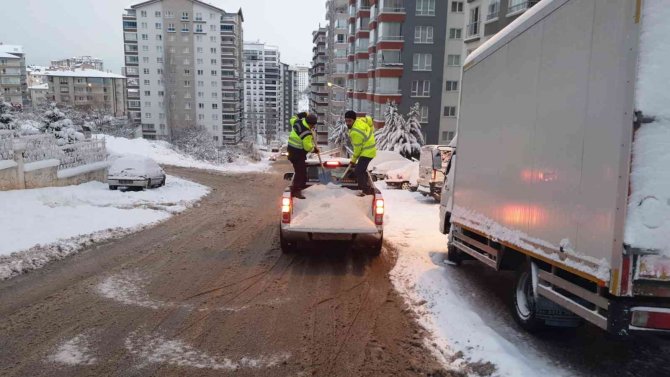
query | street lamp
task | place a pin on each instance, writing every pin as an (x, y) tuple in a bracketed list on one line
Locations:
[(330, 85)]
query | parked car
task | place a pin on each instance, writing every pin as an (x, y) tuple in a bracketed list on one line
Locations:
[(135, 171), (434, 160), (332, 212), (382, 158), (275, 146), (405, 177)]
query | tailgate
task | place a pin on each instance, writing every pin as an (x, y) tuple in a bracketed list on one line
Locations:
[(332, 209)]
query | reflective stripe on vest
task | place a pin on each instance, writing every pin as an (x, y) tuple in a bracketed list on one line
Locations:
[(366, 138)]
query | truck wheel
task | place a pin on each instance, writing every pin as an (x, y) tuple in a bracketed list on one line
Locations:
[(376, 250), (454, 256), (523, 301), (405, 186), (286, 247), (113, 187)]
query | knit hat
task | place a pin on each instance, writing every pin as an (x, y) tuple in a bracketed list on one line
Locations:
[(350, 115), (311, 119)]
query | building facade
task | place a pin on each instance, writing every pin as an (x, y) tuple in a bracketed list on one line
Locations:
[(302, 74), (263, 93), (39, 94), (336, 67), (184, 70), (289, 87), (13, 79), (88, 89), (484, 18), (318, 99), (396, 53), (79, 62)]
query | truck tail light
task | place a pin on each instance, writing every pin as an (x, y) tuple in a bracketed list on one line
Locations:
[(651, 318), (379, 211), (286, 210), (333, 164)]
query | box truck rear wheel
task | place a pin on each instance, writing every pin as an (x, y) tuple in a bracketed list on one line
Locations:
[(523, 301), (454, 256)]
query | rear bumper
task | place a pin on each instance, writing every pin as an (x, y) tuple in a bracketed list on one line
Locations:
[(364, 239), (636, 316), (127, 182)]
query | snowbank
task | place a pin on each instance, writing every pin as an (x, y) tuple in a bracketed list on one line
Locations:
[(436, 297), (163, 153), (648, 216), (40, 225)]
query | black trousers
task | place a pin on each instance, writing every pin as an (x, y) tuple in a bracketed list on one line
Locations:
[(300, 169), (361, 173)]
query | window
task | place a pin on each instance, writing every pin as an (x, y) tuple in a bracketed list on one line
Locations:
[(455, 33), (454, 60), (213, 61), (201, 116), (144, 25), (200, 61), (450, 111), (213, 72), (160, 71), (143, 13), (212, 50), (184, 16), (187, 117), (452, 86), (493, 10), (201, 106), (159, 26), (215, 117), (169, 14), (199, 50), (457, 7), (198, 28), (515, 6), (424, 114), (201, 84), (147, 82), (423, 34), (186, 50), (145, 48), (425, 7), (421, 88), (184, 28), (187, 83), (212, 39), (200, 72), (187, 71), (448, 135), (147, 93), (215, 95), (147, 103), (212, 27), (159, 37), (423, 62), (473, 25), (145, 71), (161, 93), (145, 37), (158, 13), (170, 27), (215, 106), (159, 60), (145, 60), (159, 49)]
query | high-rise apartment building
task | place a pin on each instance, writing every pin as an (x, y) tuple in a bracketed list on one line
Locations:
[(336, 68), (13, 80), (263, 93), (484, 18), (318, 101), (302, 74), (87, 89), (184, 68), (78, 62), (289, 86), (396, 53)]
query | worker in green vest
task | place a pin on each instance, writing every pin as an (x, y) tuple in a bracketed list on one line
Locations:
[(300, 142), (362, 134)]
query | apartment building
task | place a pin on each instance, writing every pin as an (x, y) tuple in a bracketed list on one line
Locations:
[(336, 67), (184, 68), (396, 53), (86, 89), (13, 80), (263, 93), (79, 62), (302, 74), (290, 96), (318, 100), (487, 17)]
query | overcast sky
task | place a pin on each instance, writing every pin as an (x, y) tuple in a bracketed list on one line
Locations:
[(56, 29)]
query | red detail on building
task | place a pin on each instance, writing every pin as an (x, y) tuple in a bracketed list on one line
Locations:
[(362, 55), (383, 98), (389, 72), (390, 45), (391, 17)]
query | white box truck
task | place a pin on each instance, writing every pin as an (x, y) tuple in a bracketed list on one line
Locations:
[(563, 164)]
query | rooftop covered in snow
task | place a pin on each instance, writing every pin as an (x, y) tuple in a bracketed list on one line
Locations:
[(84, 73), (12, 49)]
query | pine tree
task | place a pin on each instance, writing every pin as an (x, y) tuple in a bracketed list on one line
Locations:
[(403, 136), (339, 135), (414, 123), (391, 120), (55, 122), (6, 117)]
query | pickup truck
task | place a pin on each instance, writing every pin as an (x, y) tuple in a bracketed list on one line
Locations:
[(332, 212), (562, 170)]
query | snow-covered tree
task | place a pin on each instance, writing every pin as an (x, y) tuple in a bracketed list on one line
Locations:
[(55, 122), (199, 144), (338, 135), (400, 135), (7, 119)]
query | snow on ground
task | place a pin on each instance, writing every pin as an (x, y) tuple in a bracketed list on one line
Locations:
[(158, 350), (163, 153), (74, 351), (40, 225), (411, 226)]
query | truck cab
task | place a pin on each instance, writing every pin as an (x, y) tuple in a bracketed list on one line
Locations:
[(332, 212)]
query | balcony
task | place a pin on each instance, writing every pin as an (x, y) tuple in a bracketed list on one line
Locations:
[(517, 7), (472, 30), (493, 11), (391, 38)]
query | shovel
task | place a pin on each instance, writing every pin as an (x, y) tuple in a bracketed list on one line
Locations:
[(345, 173), (325, 177)]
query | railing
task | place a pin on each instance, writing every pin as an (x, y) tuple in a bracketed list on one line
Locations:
[(472, 30), (6, 147), (82, 153), (393, 38), (40, 148), (494, 10), (520, 6), (392, 10)]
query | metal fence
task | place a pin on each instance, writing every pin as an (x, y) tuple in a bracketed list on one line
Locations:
[(40, 147), (82, 153), (6, 149)]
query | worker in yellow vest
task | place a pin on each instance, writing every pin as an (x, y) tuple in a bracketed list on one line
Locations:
[(362, 134), (300, 142)]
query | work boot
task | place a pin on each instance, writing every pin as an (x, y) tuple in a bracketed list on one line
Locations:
[(360, 193), (298, 194)]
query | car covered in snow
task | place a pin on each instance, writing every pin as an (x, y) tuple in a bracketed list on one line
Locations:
[(135, 171), (405, 177), (333, 211), (385, 161)]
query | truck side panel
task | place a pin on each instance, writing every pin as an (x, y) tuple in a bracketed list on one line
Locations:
[(545, 129)]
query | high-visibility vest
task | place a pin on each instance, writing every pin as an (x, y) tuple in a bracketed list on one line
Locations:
[(362, 135), (301, 135)]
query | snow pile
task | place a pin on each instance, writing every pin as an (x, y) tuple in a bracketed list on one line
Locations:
[(462, 339), (346, 212), (594, 267), (74, 352), (40, 225), (163, 153), (648, 219), (158, 350)]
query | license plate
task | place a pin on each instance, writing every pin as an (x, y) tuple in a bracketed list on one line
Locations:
[(331, 237), (125, 182)]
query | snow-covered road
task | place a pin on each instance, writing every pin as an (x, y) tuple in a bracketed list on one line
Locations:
[(43, 224), (465, 309)]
